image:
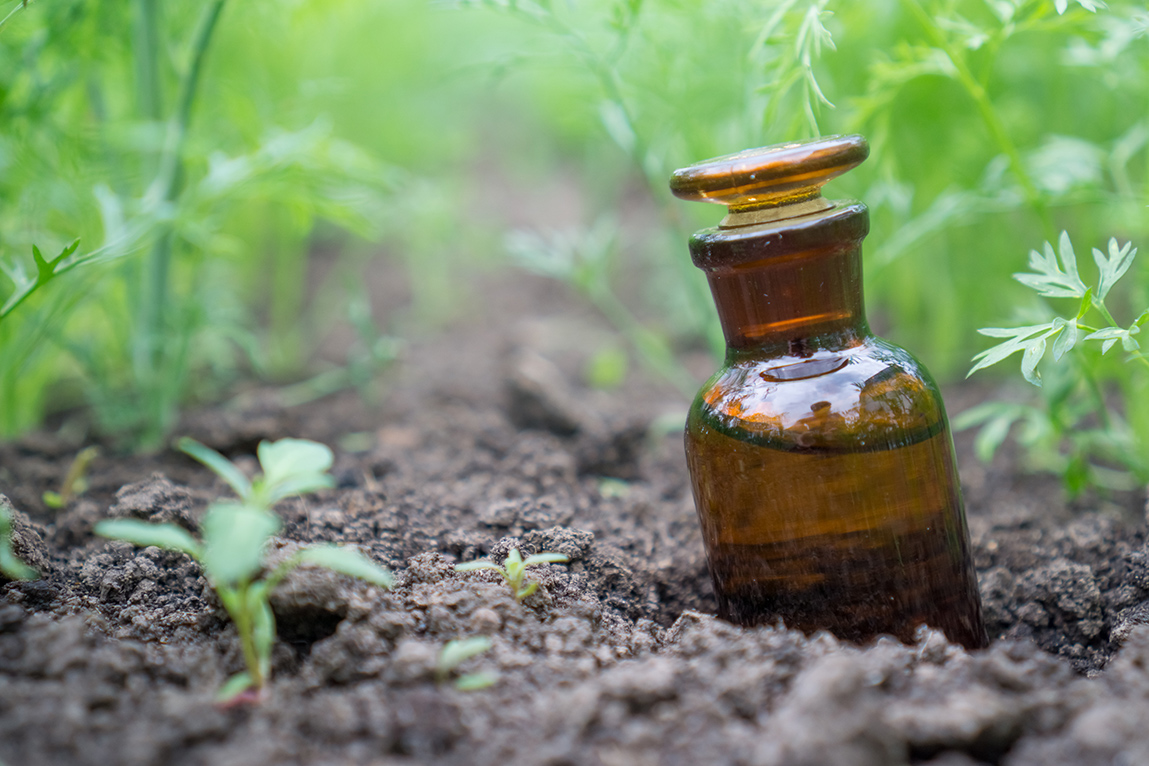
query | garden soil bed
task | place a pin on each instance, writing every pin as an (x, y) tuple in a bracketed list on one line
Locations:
[(484, 440)]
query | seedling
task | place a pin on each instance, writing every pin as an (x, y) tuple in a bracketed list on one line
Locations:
[(455, 653), (10, 564), (75, 481), (234, 538), (1077, 427), (514, 570)]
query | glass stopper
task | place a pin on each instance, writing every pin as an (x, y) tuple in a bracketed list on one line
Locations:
[(772, 182)]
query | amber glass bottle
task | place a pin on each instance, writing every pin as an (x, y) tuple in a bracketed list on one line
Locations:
[(820, 455)]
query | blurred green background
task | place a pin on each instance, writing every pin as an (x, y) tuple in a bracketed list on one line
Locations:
[(232, 170)]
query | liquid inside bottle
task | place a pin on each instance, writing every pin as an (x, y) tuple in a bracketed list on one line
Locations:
[(820, 455)]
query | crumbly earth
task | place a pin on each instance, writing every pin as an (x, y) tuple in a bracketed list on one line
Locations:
[(482, 443)]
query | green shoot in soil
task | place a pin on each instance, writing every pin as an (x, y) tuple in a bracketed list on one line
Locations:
[(234, 538), (75, 481), (514, 570), (454, 653), (10, 565), (1079, 433)]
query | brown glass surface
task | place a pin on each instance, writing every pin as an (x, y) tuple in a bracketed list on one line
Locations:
[(771, 175), (827, 494), (820, 455)]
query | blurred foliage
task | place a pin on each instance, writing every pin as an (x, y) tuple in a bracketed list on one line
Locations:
[(211, 144), (317, 127), (993, 123)]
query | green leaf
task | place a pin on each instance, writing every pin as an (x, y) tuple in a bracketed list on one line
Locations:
[(975, 415), (1029, 360), (994, 433), (12, 567), (10, 564), (1066, 340), (46, 271), (1020, 338), (235, 686), (142, 533), (1069, 259), (527, 590), (476, 681), (262, 626), (1051, 280), (1090, 5), (297, 485), (1110, 336), (607, 368), (349, 562), (289, 458), (234, 538), (1128, 342), (546, 558), (1076, 475), (473, 566), (513, 569), (221, 466), (1113, 267), (43, 268), (458, 651)]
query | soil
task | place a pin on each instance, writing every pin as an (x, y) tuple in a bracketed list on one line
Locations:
[(484, 440)]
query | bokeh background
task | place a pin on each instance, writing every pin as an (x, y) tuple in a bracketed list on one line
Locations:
[(239, 175)]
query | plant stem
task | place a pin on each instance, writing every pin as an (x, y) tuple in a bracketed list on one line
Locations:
[(989, 115), (149, 354), (243, 625), (651, 347), (171, 168), (19, 7), (146, 38)]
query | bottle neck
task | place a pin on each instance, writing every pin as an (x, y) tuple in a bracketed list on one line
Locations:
[(798, 303), (791, 288)]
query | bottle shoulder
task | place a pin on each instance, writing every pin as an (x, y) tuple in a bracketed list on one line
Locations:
[(874, 394)]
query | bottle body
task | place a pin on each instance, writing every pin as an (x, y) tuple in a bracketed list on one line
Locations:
[(828, 497), (820, 456)]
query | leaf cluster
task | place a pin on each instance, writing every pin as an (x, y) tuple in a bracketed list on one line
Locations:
[(457, 651), (1056, 276), (514, 570), (234, 538), (1079, 431)]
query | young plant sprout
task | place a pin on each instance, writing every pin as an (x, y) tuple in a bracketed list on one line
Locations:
[(10, 564), (514, 569), (234, 539), (455, 653), (75, 481)]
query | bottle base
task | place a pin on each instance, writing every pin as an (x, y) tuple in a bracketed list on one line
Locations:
[(853, 588)]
